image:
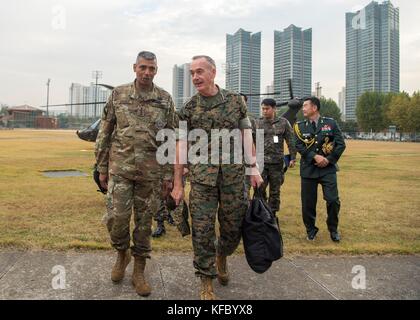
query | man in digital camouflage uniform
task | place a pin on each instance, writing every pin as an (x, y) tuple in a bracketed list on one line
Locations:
[(215, 188), (321, 144), (277, 130), (126, 156)]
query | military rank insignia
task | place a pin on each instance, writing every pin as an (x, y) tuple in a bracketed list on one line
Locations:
[(326, 129)]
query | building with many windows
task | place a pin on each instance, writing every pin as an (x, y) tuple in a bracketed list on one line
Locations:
[(293, 60), (243, 66), (182, 86), (82, 98), (372, 52)]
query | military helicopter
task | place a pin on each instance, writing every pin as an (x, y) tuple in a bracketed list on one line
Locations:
[(294, 105)]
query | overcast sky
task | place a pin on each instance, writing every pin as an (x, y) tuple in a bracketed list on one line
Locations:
[(67, 40)]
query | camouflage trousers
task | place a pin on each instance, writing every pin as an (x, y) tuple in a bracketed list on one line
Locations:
[(273, 177), (229, 203), (124, 198), (162, 212)]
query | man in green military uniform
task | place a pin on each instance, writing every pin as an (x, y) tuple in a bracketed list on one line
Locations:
[(216, 188), (276, 131), (126, 156), (321, 144)]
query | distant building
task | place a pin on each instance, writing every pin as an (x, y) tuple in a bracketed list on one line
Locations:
[(182, 87), (318, 91), (243, 66), (28, 117), (269, 89), (342, 103), (79, 94), (372, 52), (293, 60)]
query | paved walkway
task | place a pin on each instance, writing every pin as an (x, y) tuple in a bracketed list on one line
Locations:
[(39, 275)]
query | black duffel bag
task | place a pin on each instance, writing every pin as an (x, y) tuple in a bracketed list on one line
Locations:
[(261, 235)]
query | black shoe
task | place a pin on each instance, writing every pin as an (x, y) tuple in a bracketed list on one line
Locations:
[(312, 234), (160, 230), (171, 220), (335, 236)]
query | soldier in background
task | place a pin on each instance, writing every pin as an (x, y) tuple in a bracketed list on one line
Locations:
[(320, 142), (276, 131), (162, 215), (126, 155), (215, 188)]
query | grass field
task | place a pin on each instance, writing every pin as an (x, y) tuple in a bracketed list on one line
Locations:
[(379, 185)]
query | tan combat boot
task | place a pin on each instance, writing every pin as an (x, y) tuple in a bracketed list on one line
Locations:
[(206, 292), (120, 265), (142, 287), (222, 270)]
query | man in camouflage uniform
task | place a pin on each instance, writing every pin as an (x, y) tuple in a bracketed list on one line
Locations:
[(215, 188), (126, 150), (321, 144), (276, 131)]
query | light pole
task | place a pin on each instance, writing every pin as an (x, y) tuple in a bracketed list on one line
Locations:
[(96, 75), (48, 95)]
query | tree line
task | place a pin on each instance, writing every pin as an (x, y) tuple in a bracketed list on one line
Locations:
[(377, 111)]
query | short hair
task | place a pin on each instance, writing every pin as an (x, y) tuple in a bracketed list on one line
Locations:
[(314, 100), (146, 55), (269, 102), (208, 59)]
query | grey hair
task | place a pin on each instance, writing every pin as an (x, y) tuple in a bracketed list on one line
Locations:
[(208, 59), (146, 55)]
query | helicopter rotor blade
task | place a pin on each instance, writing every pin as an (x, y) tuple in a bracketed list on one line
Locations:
[(291, 89)]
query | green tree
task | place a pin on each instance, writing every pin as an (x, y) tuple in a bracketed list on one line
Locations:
[(399, 112), (330, 109), (63, 121), (386, 106), (3, 109), (414, 112), (349, 126), (370, 111)]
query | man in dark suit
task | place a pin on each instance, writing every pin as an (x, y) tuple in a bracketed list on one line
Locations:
[(321, 144)]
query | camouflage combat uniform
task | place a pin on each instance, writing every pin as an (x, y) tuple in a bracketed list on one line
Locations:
[(135, 175), (216, 188), (162, 214), (275, 133)]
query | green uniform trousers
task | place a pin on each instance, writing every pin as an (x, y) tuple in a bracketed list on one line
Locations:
[(309, 194)]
